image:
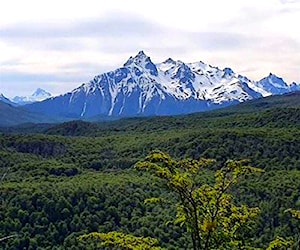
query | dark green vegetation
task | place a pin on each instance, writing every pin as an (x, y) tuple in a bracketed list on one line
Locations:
[(77, 177)]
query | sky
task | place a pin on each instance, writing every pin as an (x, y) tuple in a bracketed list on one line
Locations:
[(59, 44)]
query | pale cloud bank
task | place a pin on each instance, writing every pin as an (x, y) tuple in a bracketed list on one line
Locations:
[(57, 45)]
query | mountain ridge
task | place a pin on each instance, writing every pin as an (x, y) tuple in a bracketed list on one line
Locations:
[(142, 88), (4, 99)]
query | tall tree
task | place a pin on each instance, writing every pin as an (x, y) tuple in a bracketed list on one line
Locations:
[(207, 211)]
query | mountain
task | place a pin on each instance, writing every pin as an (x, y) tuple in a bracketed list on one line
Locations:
[(274, 85), (11, 115), (295, 87), (6, 100), (142, 88), (37, 96)]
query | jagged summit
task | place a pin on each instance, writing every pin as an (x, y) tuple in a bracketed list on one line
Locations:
[(41, 93), (295, 86), (141, 62), (138, 59), (274, 85), (170, 60), (228, 71), (141, 87), (273, 76)]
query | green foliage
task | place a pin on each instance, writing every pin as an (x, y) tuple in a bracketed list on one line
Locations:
[(295, 213), (207, 211), (280, 243), (117, 240), (54, 211)]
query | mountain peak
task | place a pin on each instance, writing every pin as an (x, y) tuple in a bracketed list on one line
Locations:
[(141, 56), (273, 85), (274, 77), (143, 61), (295, 86), (228, 71), (170, 60), (41, 92), (271, 75)]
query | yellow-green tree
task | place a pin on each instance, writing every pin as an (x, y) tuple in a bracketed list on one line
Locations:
[(287, 243), (207, 211), (118, 240)]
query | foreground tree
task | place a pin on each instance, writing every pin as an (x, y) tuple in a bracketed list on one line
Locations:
[(296, 239), (207, 211), (292, 243)]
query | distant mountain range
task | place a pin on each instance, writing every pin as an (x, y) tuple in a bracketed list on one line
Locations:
[(142, 88), (13, 113), (37, 96)]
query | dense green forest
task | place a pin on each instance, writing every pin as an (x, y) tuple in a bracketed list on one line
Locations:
[(62, 181)]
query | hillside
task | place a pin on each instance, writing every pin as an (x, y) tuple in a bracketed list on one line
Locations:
[(10, 116)]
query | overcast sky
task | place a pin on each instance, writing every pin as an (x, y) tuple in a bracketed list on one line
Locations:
[(59, 44)]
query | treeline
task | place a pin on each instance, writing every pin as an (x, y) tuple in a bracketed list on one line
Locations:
[(269, 149)]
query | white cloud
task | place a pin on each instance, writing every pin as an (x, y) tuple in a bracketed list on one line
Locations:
[(71, 41)]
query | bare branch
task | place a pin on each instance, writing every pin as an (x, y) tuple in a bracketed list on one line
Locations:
[(8, 237)]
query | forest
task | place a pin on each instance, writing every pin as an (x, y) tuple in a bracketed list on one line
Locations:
[(62, 181)]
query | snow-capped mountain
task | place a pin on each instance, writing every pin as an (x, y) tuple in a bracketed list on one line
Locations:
[(294, 86), (274, 85), (141, 87), (37, 96)]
